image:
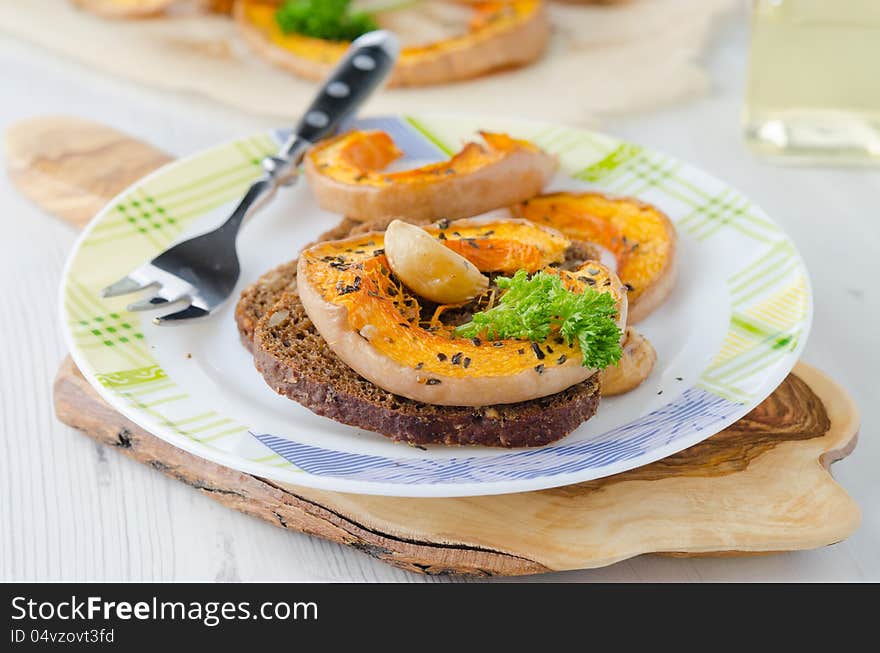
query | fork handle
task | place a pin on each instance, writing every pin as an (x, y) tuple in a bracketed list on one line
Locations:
[(364, 66)]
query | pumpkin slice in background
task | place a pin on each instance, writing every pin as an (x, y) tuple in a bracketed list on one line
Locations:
[(495, 35), (640, 236), (125, 8), (347, 177)]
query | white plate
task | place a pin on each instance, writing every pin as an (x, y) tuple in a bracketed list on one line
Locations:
[(731, 331)]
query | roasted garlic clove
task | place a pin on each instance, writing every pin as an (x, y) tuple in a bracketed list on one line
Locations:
[(429, 268)]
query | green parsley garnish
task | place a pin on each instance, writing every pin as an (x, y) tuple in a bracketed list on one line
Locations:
[(324, 19), (532, 308)]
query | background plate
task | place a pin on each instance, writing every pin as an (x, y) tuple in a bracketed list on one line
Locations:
[(732, 329)]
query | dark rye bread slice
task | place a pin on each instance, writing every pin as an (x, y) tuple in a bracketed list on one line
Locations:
[(297, 363), (259, 297)]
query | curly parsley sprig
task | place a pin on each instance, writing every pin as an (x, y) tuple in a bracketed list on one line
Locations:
[(324, 19), (533, 307)]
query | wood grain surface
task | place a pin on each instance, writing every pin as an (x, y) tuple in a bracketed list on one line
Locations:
[(72, 167), (760, 486)]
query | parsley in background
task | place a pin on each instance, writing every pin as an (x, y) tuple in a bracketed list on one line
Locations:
[(534, 307), (324, 19)]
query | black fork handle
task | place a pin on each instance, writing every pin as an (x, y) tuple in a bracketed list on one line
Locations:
[(362, 69)]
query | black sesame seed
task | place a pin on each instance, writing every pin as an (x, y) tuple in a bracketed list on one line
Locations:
[(659, 392), (520, 351), (378, 252), (539, 368), (472, 243), (561, 359), (466, 362), (629, 287), (477, 342), (558, 340), (433, 381), (489, 233), (405, 325), (444, 223), (441, 357), (678, 378), (497, 343), (420, 366), (549, 349), (455, 233), (456, 358), (442, 236), (354, 287), (538, 353)]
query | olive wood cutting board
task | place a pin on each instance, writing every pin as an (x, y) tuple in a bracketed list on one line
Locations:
[(761, 485)]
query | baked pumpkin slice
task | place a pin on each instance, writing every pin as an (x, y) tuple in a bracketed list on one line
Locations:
[(632, 369), (125, 8), (396, 340), (496, 35), (639, 235), (347, 175)]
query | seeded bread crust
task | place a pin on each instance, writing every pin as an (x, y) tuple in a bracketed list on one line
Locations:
[(259, 297), (297, 363)]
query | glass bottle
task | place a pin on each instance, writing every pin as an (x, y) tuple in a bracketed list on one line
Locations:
[(813, 90)]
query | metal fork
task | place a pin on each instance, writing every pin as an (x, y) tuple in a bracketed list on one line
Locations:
[(203, 270)]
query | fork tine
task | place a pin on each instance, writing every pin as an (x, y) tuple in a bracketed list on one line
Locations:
[(125, 286), (156, 301), (188, 313)]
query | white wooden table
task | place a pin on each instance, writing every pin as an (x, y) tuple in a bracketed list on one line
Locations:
[(71, 510)]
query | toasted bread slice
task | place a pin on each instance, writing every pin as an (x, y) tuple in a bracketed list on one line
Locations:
[(297, 363)]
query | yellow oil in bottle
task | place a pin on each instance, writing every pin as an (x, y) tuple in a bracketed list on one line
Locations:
[(814, 80)]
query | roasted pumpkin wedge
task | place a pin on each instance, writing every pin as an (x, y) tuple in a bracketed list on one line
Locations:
[(347, 176), (393, 338), (124, 8), (640, 236), (633, 367), (498, 35)]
